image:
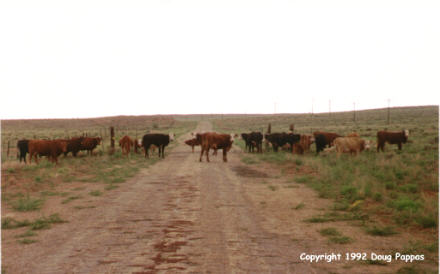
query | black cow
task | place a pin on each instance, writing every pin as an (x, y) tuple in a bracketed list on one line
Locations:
[(280, 139), (157, 139), (23, 148), (256, 141), (320, 142), (245, 137)]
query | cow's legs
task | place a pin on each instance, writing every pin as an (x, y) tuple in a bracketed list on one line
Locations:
[(207, 154), (224, 155), (399, 145), (380, 146), (201, 153)]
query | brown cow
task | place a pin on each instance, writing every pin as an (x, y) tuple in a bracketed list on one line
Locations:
[(215, 141), (126, 143), (137, 145), (329, 137), (304, 144), (89, 144), (390, 137), (192, 143), (50, 148), (353, 134)]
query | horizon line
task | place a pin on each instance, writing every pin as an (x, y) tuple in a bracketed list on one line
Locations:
[(202, 114)]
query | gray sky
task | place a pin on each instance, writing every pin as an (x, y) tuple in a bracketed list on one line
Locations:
[(68, 59)]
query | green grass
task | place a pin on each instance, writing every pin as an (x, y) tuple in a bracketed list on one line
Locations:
[(330, 231), (334, 236), (273, 188), (83, 207), (95, 193), (71, 198), (299, 206), (45, 222), (380, 231), (249, 160), (340, 240), (11, 223), (336, 216), (26, 241), (37, 224), (28, 233), (27, 204), (110, 187)]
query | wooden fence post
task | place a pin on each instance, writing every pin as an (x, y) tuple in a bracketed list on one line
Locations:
[(112, 140)]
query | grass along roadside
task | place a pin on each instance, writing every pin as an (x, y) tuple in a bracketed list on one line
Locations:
[(399, 187)]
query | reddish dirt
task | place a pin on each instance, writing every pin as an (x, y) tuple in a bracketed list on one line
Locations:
[(181, 215)]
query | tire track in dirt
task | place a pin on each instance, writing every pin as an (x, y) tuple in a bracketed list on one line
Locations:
[(177, 216)]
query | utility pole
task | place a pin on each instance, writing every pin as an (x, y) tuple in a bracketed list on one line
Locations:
[(388, 112), (329, 107), (354, 112)]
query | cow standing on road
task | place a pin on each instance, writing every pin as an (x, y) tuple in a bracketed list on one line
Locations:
[(192, 143), (157, 139), (215, 141)]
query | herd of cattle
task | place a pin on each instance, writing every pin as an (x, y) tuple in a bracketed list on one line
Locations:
[(54, 148), (296, 143)]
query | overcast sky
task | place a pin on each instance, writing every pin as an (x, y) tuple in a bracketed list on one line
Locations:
[(68, 59)]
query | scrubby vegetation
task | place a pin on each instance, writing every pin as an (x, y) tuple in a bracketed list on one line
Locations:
[(398, 187)]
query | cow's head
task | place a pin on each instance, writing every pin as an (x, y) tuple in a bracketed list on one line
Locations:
[(405, 134), (369, 144), (171, 136), (98, 140)]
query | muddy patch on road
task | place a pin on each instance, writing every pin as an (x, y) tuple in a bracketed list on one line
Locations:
[(248, 172)]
